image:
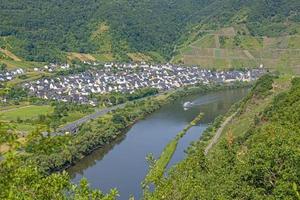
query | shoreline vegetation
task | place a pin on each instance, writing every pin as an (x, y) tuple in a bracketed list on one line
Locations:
[(46, 157), (254, 157), (207, 140), (157, 167), (103, 130)]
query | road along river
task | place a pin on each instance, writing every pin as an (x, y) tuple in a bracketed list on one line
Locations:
[(122, 165)]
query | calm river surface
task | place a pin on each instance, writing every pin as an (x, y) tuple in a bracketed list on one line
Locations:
[(122, 165)]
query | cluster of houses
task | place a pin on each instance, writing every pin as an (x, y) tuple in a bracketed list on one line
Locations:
[(127, 78), (10, 75), (52, 67)]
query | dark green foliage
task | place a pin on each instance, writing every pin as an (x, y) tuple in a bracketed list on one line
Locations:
[(263, 86), (261, 164), (19, 181), (116, 98), (43, 30), (279, 112), (3, 67), (48, 27), (267, 16), (54, 153), (62, 110), (7, 134), (17, 93)]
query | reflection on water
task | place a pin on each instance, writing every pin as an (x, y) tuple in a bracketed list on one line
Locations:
[(94, 157), (122, 164)]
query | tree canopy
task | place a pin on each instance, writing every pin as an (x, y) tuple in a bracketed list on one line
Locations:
[(45, 30)]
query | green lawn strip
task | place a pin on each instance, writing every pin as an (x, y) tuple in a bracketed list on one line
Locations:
[(71, 117), (157, 170), (27, 112), (7, 108)]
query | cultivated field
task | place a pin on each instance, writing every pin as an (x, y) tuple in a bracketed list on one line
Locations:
[(227, 49)]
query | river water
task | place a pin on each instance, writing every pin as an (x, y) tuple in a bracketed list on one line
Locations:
[(122, 165)]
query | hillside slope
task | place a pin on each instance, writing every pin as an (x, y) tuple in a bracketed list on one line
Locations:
[(257, 157), (235, 47), (109, 30)]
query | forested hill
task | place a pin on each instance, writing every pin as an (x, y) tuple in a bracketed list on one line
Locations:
[(257, 156), (44, 30)]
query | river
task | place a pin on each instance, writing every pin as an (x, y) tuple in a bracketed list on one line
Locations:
[(122, 165)]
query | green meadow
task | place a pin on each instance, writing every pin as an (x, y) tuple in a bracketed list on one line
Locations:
[(26, 112)]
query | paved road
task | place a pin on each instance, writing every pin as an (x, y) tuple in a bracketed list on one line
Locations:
[(72, 127), (218, 133)]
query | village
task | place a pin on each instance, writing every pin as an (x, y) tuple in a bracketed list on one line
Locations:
[(6, 75), (127, 78), (9, 75)]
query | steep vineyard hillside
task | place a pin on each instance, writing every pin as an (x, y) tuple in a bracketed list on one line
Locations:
[(129, 30)]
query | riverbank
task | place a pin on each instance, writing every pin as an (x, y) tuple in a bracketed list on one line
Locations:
[(58, 153), (123, 164), (255, 155), (157, 167)]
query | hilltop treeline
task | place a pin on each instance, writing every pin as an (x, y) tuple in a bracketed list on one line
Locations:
[(262, 163), (44, 30)]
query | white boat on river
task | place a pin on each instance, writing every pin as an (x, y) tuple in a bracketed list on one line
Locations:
[(187, 104)]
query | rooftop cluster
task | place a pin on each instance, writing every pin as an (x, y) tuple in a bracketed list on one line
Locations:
[(10, 75), (128, 78)]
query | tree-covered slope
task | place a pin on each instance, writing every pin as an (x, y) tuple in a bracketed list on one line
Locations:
[(258, 156), (40, 30), (44, 30)]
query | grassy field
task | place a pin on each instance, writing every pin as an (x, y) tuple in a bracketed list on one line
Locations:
[(103, 39), (72, 116), (18, 115), (26, 112), (11, 64), (294, 42), (207, 41), (105, 57), (139, 57), (81, 56)]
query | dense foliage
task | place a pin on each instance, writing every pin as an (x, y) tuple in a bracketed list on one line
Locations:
[(44, 30), (28, 182), (61, 112), (25, 169), (263, 163), (116, 98)]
